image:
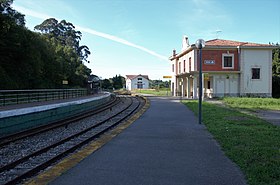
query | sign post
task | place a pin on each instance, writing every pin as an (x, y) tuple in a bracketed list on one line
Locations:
[(167, 85)]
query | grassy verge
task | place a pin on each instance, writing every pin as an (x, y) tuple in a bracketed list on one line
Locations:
[(253, 144), (160, 92), (253, 103)]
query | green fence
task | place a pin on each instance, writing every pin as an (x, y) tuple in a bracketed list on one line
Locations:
[(22, 121), (11, 97)]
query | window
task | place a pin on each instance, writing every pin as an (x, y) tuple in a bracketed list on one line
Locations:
[(179, 67), (228, 61), (139, 78), (190, 64), (208, 84), (184, 65), (139, 85), (256, 73), (172, 67)]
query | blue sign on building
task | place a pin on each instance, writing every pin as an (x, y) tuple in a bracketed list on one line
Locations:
[(209, 61)]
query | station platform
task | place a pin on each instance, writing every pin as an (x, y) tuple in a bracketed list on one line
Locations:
[(45, 103), (16, 118), (165, 146)]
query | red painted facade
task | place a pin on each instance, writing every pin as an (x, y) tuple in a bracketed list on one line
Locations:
[(217, 55)]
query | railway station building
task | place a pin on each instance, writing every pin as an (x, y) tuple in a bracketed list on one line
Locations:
[(229, 68)]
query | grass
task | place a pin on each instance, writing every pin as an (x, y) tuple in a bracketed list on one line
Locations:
[(253, 103), (160, 92), (122, 92), (253, 144)]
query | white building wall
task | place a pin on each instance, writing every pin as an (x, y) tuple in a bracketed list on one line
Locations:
[(128, 84), (186, 59), (134, 83), (180, 65), (145, 83), (173, 79), (256, 58), (193, 59)]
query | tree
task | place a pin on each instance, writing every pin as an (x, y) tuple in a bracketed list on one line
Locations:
[(66, 35), (276, 72), (30, 60), (68, 53), (12, 33), (13, 16), (118, 82), (276, 62), (106, 84), (156, 84)]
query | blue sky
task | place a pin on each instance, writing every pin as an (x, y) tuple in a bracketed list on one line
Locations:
[(130, 37)]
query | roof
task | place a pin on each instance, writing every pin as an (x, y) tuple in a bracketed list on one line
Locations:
[(220, 43), (135, 76), (231, 43)]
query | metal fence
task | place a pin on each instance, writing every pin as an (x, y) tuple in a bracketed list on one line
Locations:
[(11, 97)]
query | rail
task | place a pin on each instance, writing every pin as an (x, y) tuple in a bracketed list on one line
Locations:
[(11, 97)]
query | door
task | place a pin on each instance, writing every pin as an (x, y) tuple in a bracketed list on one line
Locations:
[(220, 88)]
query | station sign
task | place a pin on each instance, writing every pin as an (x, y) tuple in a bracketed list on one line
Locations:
[(210, 62), (65, 82)]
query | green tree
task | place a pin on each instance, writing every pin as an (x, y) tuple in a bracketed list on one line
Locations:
[(118, 82), (9, 15), (276, 72), (12, 33), (66, 34), (68, 53), (31, 60), (156, 84), (276, 62), (106, 84)]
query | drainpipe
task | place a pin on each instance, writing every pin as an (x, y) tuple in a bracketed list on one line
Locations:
[(239, 68)]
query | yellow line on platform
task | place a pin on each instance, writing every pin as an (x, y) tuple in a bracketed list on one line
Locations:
[(69, 162)]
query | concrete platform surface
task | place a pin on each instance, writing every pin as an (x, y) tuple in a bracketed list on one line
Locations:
[(165, 146)]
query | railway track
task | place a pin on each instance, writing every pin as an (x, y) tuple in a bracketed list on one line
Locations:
[(29, 164), (30, 132)]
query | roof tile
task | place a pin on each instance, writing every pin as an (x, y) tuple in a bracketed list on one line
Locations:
[(134, 76), (221, 42)]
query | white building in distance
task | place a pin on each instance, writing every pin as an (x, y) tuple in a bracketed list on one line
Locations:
[(137, 82)]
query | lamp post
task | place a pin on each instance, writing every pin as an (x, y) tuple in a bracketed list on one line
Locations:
[(200, 43)]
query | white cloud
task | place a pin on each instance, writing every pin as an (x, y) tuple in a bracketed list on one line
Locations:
[(120, 40), (31, 12), (35, 14)]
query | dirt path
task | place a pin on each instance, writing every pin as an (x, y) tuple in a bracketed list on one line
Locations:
[(272, 116)]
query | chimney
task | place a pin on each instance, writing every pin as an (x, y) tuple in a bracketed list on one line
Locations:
[(174, 52), (187, 41)]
